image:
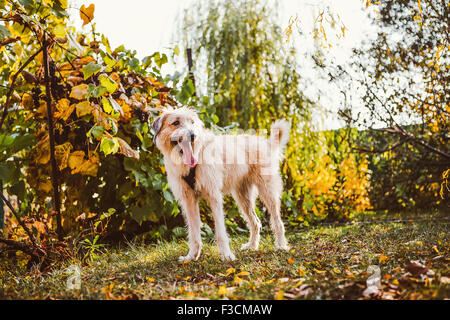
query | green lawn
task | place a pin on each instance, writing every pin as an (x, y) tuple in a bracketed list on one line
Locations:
[(326, 262)]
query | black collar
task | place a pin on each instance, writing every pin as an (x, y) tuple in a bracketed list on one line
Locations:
[(190, 178)]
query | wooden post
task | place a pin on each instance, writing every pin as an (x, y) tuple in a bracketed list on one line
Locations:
[(55, 171), (190, 65)]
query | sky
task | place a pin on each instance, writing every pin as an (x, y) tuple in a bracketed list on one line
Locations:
[(148, 26)]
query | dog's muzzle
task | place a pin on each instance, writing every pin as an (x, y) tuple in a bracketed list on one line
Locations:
[(184, 145)]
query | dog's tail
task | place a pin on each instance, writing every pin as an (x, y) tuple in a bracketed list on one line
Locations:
[(279, 135)]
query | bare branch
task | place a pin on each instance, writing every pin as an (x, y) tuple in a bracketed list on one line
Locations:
[(12, 86)]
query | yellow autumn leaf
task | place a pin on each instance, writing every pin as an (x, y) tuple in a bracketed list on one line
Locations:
[(237, 280), (383, 258), (279, 295), (100, 117), (150, 279), (84, 60), (65, 66), (45, 186), (75, 159), (27, 101), (223, 290), (62, 152), (115, 77), (63, 109), (83, 108), (39, 226), (301, 272), (230, 271), (88, 167), (319, 271), (127, 112), (87, 14), (243, 273), (43, 151), (79, 92)]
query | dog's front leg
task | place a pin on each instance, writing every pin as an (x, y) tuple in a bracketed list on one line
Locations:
[(192, 218), (216, 203)]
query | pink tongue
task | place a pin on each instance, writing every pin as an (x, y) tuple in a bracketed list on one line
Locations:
[(188, 155)]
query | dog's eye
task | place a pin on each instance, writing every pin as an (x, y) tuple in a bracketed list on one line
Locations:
[(176, 123)]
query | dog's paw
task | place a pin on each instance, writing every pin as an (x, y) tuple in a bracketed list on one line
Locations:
[(284, 247), (228, 256), (185, 259), (249, 246)]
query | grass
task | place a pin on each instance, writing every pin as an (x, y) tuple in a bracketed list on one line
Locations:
[(326, 262)]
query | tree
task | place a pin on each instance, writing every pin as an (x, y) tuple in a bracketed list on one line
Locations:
[(252, 78), (403, 75), (242, 63), (76, 152)]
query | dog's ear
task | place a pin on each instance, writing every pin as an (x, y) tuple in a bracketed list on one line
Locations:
[(156, 126)]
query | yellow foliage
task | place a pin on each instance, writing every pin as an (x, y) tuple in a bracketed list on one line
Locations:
[(339, 184)]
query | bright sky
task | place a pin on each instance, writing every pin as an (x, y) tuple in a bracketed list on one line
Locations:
[(148, 26)]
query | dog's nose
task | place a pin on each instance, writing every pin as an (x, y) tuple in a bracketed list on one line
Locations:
[(192, 135)]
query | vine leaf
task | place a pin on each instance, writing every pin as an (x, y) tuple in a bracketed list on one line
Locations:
[(87, 14), (126, 150), (90, 69), (64, 109), (79, 92), (108, 83), (88, 167), (62, 153), (109, 145), (75, 159), (83, 108)]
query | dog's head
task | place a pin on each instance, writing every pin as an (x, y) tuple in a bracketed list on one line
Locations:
[(175, 133)]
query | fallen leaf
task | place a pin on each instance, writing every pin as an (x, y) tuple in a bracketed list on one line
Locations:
[(230, 271), (223, 290), (416, 268), (279, 295), (383, 258)]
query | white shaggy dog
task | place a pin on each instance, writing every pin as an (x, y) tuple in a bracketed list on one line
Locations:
[(200, 163)]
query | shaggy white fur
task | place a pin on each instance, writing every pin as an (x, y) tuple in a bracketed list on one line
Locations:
[(243, 165)]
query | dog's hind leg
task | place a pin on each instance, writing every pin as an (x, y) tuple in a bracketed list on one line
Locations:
[(245, 197), (270, 188), (191, 214), (223, 242)]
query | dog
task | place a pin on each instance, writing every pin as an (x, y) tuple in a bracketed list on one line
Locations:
[(200, 163)]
